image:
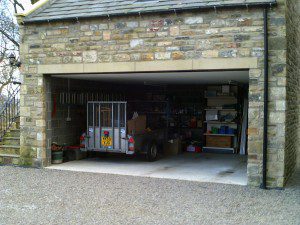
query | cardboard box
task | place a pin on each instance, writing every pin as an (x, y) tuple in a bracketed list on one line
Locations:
[(137, 125), (226, 89), (172, 147), (218, 141)]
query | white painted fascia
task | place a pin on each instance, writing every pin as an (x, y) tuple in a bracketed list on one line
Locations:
[(33, 8)]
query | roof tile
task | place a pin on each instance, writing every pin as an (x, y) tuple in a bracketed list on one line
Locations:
[(68, 9)]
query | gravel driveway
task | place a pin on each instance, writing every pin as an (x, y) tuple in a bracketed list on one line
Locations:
[(33, 196)]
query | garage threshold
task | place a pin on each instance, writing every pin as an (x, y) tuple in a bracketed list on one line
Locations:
[(214, 168)]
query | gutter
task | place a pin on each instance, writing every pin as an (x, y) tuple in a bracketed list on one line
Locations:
[(135, 13), (266, 96)]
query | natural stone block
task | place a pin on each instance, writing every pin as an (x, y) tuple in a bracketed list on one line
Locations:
[(162, 34), (106, 35), (193, 20), (93, 27), (172, 49), (162, 55), (278, 69), (147, 56), (174, 31), (276, 117), (85, 27), (121, 57), (210, 53), (277, 93), (88, 33), (245, 22), (257, 52), (15, 161), (132, 24), (241, 37), (58, 47), (120, 25), (204, 44), (280, 105), (147, 35), (89, 56), (103, 26), (135, 57), (40, 123), (77, 59), (217, 23), (277, 43), (136, 43), (177, 55), (228, 53), (211, 31), (164, 43), (187, 48)]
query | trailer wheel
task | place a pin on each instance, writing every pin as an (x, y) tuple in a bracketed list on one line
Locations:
[(152, 151)]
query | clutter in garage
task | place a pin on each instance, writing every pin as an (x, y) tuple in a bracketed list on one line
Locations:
[(176, 118)]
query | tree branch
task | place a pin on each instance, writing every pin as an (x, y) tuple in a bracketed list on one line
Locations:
[(9, 38)]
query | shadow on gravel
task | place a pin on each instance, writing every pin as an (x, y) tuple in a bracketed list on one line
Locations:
[(294, 181)]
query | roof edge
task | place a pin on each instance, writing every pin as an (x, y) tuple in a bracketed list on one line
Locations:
[(33, 8), (270, 4)]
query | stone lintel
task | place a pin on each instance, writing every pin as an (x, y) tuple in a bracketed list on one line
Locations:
[(168, 65)]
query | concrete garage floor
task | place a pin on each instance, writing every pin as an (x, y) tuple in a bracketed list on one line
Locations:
[(215, 168)]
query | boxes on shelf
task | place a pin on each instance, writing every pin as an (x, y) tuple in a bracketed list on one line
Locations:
[(218, 141), (212, 115), (226, 89)]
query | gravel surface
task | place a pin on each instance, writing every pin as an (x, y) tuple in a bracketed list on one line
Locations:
[(34, 196)]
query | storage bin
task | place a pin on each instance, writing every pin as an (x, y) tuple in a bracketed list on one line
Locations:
[(230, 131), (223, 130), (214, 130)]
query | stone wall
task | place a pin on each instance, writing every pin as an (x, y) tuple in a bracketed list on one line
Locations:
[(179, 38), (293, 83)]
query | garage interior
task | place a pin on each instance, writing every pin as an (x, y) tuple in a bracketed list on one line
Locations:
[(203, 115)]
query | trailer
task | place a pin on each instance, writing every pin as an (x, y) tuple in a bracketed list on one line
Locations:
[(107, 132)]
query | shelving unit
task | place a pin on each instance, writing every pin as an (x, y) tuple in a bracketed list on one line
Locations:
[(226, 135), (218, 106), (219, 122), (234, 110)]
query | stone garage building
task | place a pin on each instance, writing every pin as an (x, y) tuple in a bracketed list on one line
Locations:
[(69, 37)]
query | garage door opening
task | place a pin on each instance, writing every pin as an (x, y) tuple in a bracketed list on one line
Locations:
[(195, 121)]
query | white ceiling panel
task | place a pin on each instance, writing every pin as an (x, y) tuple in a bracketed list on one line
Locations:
[(202, 77)]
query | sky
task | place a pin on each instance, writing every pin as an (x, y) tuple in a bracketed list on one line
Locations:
[(26, 3)]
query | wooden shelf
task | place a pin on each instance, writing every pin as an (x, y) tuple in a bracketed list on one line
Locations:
[(219, 122), (160, 113), (219, 148), (222, 97), (147, 101), (234, 110), (227, 135)]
